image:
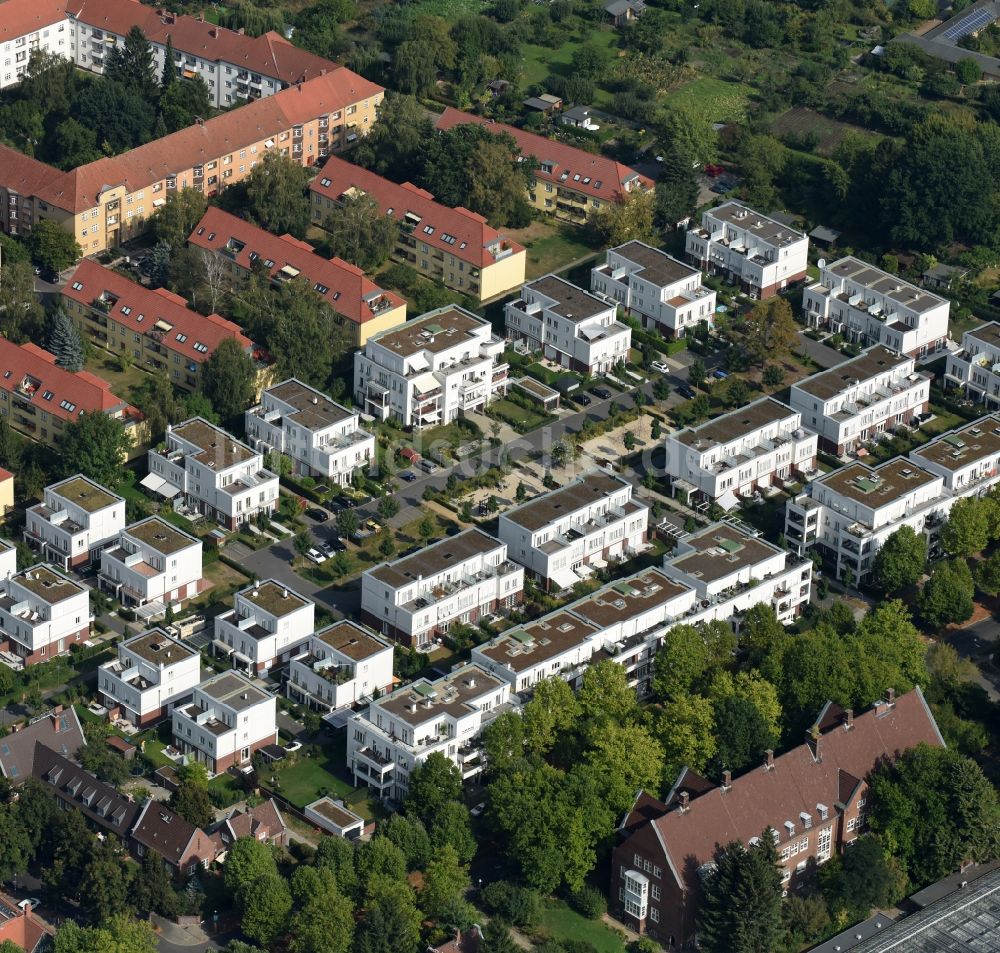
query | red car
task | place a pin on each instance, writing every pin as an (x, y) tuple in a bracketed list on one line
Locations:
[(714, 170)]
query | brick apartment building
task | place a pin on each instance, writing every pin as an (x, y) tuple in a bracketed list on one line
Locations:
[(813, 799)]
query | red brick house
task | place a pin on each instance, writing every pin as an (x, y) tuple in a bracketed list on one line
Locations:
[(21, 927), (263, 822), (813, 798)]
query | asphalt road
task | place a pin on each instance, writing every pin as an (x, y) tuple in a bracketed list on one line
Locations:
[(978, 642)]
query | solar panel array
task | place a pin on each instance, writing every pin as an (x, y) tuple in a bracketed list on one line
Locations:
[(972, 23)]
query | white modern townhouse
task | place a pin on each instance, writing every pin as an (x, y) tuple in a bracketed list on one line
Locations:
[(761, 255), (869, 306), (42, 613), (861, 399), (340, 666), (461, 579), (152, 674), (975, 368), (967, 459), (226, 721), (76, 519), (568, 325), (732, 570), (399, 731), (268, 625), (850, 512), (322, 438), (216, 474), (431, 369), (662, 292), (153, 564), (748, 450), (562, 536), (8, 560)]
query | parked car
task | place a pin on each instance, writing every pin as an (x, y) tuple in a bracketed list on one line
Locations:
[(373, 524), (686, 392), (317, 514), (659, 366), (602, 392), (478, 809), (332, 546), (33, 901), (721, 188), (293, 746), (719, 374), (315, 556), (584, 400), (337, 504), (714, 171), (428, 465), (408, 475)]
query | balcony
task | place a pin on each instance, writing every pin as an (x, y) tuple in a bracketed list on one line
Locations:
[(381, 765)]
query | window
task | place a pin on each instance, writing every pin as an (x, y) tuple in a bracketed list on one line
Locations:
[(654, 914)]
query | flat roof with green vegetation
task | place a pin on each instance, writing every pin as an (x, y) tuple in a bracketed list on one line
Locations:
[(86, 494)]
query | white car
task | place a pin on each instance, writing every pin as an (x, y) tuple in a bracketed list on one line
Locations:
[(314, 555), (659, 366), (33, 901)]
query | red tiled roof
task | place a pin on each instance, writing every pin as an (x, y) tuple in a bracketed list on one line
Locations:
[(349, 292), (471, 233), (22, 174), (5, 475), (196, 145), (82, 391), (21, 17), (21, 927), (270, 55), (764, 797), (591, 174), (149, 307)]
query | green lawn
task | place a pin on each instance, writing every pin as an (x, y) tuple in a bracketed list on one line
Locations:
[(540, 62), (561, 923), (309, 778), (516, 415), (713, 98)]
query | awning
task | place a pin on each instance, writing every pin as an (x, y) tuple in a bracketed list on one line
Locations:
[(168, 491), (152, 482), (564, 578), (222, 647), (728, 501), (240, 657)]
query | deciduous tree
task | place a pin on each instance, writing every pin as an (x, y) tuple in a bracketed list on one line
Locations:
[(228, 379), (178, 216), (967, 530), (95, 445), (276, 195), (901, 560), (771, 332), (361, 233), (52, 247), (947, 596)]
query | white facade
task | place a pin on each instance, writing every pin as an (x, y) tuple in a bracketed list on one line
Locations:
[(856, 401), (322, 438), (568, 325), (76, 519), (430, 369), (387, 740), (152, 673), (268, 624), (976, 367), (749, 449), (8, 560), (869, 306), (226, 721), (342, 665), (585, 523), (664, 293), (57, 37), (152, 562), (731, 571), (760, 254), (967, 458), (218, 475), (460, 579), (42, 613)]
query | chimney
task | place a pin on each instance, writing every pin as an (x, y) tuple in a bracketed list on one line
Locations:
[(769, 759), (848, 719), (890, 697), (58, 710), (727, 780), (685, 800), (201, 17)]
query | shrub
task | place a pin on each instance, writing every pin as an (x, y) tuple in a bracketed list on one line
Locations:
[(589, 902), (516, 905)]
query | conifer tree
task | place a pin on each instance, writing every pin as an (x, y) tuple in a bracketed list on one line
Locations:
[(63, 340)]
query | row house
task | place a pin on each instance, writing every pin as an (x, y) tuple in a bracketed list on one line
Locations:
[(241, 249), (155, 328), (430, 370), (144, 828), (663, 293), (562, 536), (975, 368), (76, 519), (268, 625), (861, 399), (320, 437), (761, 255), (38, 398), (8, 560), (215, 474), (570, 326), (153, 564), (112, 199), (869, 306), (58, 729), (152, 673), (851, 512), (812, 801), (42, 613), (569, 183), (340, 666), (751, 449), (399, 731), (234, 66), (459, 580), (731, 570), (227, 720), (451, 245)]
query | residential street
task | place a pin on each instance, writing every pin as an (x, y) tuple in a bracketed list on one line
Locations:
[(978, 642)]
